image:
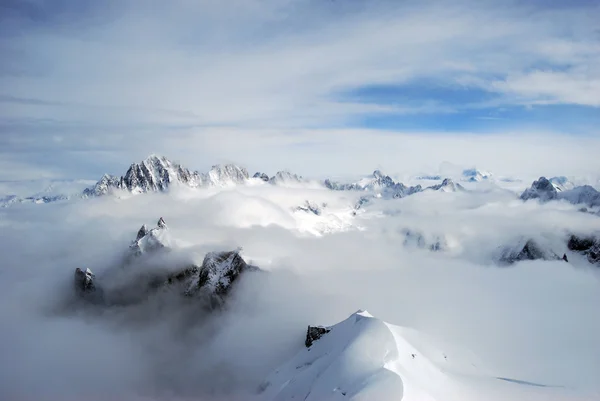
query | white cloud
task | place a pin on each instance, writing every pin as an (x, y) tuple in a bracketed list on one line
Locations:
[(534, 322), (260, 62), (550, 87)]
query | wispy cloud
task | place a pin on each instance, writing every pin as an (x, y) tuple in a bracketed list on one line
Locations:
[(137, 66)]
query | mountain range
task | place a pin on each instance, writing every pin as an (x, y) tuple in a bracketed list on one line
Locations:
[(159, 174)]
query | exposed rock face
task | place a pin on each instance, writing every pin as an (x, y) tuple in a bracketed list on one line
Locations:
[(228, 174), (311, 207), (261, 176), (151, 240), (541, 189), (589, 246), (545, 190), (84, 281), (474, 175), (156, 174), (530, 251), (218, 272), (447, 186), (313, 333), (106, 184), (212, 280), (285, 177), (377, 182)]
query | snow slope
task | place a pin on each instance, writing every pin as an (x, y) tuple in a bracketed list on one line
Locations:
[(365, 358)]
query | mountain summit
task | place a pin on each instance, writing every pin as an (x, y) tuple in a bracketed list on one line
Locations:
[(157, 174)]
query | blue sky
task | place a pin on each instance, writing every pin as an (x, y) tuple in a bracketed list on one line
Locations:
[(91, 84)]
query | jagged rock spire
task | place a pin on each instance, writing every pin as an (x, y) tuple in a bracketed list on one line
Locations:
[(142, 232), (161, 223)]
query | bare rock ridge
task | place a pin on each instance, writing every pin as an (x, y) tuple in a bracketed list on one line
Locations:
[(212, 280)]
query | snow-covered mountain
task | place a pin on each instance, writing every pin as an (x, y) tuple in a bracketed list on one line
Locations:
[(447, 186), (544, 190), (377, 182), (365, 358), (475, 175), (157, 173), (561, 183)]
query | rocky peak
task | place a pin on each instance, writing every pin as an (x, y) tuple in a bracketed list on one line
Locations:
[(211, 281), (381, 180), (474, 175), (447, 185), (285, 177), (311, 207), (157, 173), (531, 250), (142, 232), (584, 194), (261, 176), (84, 281), (586, 245), (541, 189), (228, 174), (104, 186), (218, 272), (151, 240)]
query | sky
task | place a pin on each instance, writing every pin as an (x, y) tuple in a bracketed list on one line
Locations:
[(317, 87)]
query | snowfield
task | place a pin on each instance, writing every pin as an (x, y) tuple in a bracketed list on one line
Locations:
[(470, 296)]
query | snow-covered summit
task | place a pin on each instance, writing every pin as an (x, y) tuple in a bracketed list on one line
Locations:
[(151, 240), (377, 182), (541, 189), (584, 194), (475, 175), (544, 190), (365, 358), (447, 186), (225, 175), (561, 183), (285, 177), (157, 173)]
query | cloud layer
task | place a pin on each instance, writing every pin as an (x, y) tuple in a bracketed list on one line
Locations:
[(534, 322)]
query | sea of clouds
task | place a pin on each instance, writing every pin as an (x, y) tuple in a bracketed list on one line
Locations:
[(535, 321)]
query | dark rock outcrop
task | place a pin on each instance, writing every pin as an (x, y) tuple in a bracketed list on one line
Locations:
[(311, 207), (211, 281), (217, 274), (313, 333), (589, 246), (84, 281), (541, 189), (261, 176)]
